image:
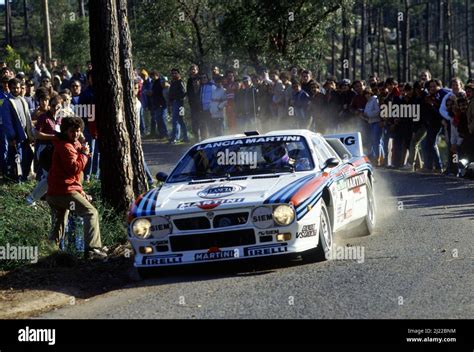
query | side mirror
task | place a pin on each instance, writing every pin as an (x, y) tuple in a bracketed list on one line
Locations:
[(161, 176), (331, 162)]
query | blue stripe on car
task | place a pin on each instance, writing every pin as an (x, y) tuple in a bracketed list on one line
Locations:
[(288, 189), (302, 209), (153, 197)]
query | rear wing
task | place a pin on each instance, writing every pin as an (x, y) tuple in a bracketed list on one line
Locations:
[(351, 141)]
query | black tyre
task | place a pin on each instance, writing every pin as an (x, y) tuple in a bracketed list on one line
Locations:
[(367, 226), (325, 243)]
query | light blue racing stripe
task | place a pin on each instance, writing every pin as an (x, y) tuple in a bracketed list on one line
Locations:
[(288, 189), (302, 211), (144, 202), (303, 206), (152, 201)]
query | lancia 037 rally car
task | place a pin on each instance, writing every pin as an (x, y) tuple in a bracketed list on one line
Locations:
[(253, 195)]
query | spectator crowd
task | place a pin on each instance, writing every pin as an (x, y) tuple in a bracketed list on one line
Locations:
[(421, 126)]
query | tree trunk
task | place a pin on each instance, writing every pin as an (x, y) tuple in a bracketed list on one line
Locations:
[(8, 23), (427, 30), (116, 170), (333, 53), (406, 42), (82, 11), (446, 54), (388, 70), (379, 33), (47, 32), (468, 39), (354, 51), (439, 30), (371, 23), (131, 117), (344, 55), (25, 18), (363, 30), (399, 59), (451, 57)]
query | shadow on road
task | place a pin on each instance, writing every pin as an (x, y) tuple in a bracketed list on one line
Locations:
[(211, 271), (453, 198), (85, 279)]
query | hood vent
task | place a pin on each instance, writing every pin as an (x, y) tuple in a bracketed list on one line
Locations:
[(237, 178), (266, 176), (198, 182)]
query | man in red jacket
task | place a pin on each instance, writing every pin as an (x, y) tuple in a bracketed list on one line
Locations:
[(65, 191)]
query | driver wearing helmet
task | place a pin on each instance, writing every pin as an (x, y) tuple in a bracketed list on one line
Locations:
[(276, 155), (301, 158)]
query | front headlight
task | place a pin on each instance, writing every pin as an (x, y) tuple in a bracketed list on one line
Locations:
[(284, 215), (141, 228)]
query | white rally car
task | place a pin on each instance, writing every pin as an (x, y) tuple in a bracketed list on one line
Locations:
[(252, 195)]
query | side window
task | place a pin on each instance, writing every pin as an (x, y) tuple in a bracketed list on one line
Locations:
[(331, 151), (321, 158), (321, 148)]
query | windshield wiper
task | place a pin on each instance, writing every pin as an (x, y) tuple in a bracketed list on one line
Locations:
[(211, 175), (195, 176), (284, 168), (274, 170)]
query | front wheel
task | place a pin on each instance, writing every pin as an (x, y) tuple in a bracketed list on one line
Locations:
[(324, 246)]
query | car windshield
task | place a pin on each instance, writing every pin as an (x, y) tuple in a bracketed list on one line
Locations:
[(246, 156)]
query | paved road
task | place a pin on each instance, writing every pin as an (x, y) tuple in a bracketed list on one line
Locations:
[(418, 264)]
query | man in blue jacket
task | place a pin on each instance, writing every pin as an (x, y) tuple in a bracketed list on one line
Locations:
[(4, 95), (19, 132)]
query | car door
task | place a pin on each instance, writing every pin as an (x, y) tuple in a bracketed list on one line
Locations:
[(338, 187), (352, 189)]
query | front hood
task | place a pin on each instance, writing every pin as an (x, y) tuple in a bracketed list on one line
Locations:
[(191, 197)]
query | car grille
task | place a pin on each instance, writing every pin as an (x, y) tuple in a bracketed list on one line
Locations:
[(198, 223), (225, 220), (214, 239)]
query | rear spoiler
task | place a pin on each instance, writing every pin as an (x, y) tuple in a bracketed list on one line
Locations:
[(352, 141)]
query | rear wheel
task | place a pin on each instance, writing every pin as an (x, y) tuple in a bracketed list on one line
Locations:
[(368, 225), (318, 254)]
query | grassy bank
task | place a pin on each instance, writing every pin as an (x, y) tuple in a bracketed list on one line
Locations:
[(23, 225)]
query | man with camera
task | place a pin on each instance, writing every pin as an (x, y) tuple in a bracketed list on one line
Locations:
[(65, 191)]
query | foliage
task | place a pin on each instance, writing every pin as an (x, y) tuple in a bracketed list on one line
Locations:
[(65, 26), (249, 34), (74, 45), (232, 34), (23, 225), (241, 34), (14, 60)]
